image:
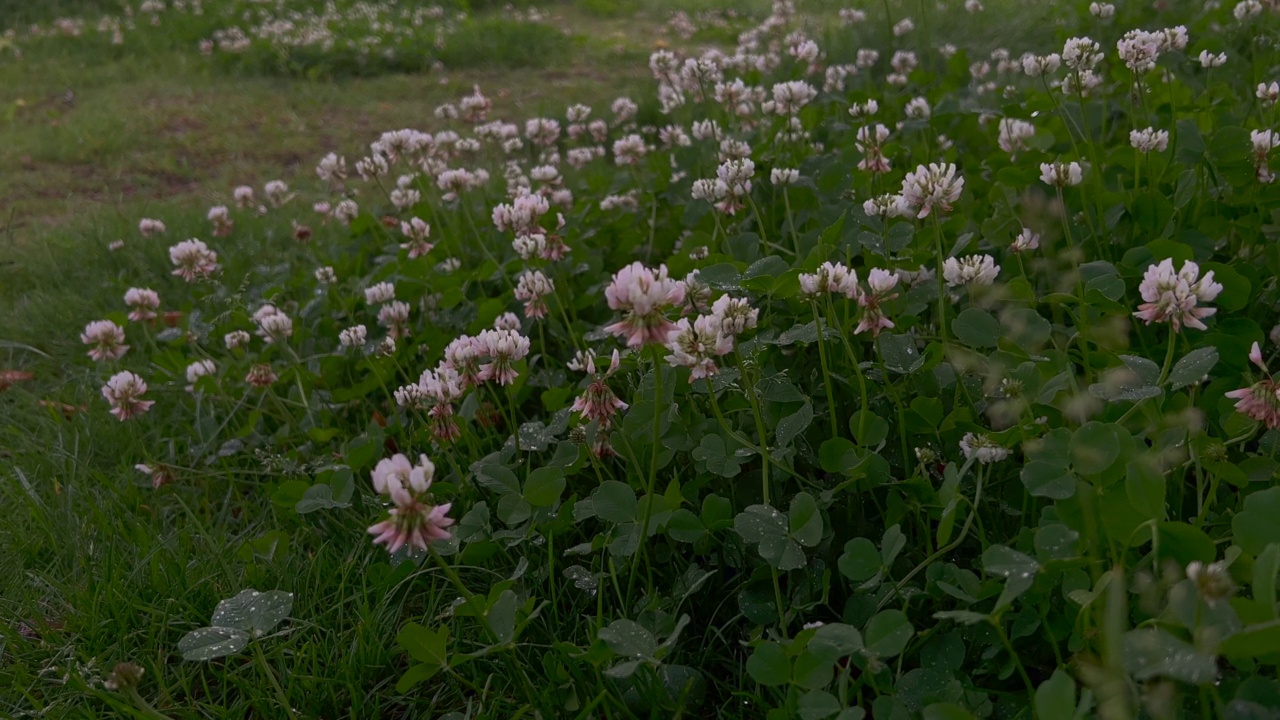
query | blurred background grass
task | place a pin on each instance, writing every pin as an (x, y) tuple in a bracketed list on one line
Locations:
[(93, 127)]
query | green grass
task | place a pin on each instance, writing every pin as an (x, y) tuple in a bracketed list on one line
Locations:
[(164, 125)]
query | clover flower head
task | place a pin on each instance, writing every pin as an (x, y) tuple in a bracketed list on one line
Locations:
[(983, 448), (1177, 297), (412, 521), (972, 270), (124, 392), (106, 340), (643, 295)]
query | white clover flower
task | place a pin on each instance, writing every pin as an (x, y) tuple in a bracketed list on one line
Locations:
[(1037, 65), (1102, 11), (1173, 297), (332, 168), (852, 16), (834, 278), (380, 293), (273, 325), (124, 392), (789, 97), (236, 339), (193, 260), (1174, 38), (1025, 241), (1267, 94), (972, 270), (982, 448), (106, 340), (1264, 141), (1212, 581), (1081, 53), (735, 315), (886, 206), (1060, 174), (393, 316), (932, 188), (532, 289), (142, 302), (870, 107), (918, 109), (197, 370), (628, 150), (1014, 134), (277, 192), (244, 196), (1247, 9), (326, 276), (150, 226), (354, 336), (696, 345), (784, 176), (346, 211), (507, 321), (412, 396), (1139, 50), (1149, 139), (1209, 60)]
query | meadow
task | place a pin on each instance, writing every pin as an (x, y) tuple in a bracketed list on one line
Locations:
[(815, 359)]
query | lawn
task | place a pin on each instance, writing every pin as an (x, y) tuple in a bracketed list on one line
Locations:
[(638, 360)]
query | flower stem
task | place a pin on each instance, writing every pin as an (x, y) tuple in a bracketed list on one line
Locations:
[(865, 410), (467, 595), (760, 429), (147, 709), (897, 403), (1083, 330), (653, 469), (1004, 638), (942, 282), (1168, 359), (826, 374), (795, 237), (942, 551), (271, 677)]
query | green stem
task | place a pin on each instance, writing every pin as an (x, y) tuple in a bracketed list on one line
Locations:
[(1168, 358), (1004, 638), (897, 404), (297, 377), (146, 708), (773, 572), (509, 417), (271, 677), (826, 373), (653, 469), (964, 532), (760, 429), (1083, 318), (467, 595), (942, 283), (865, 410), (795, 237)]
